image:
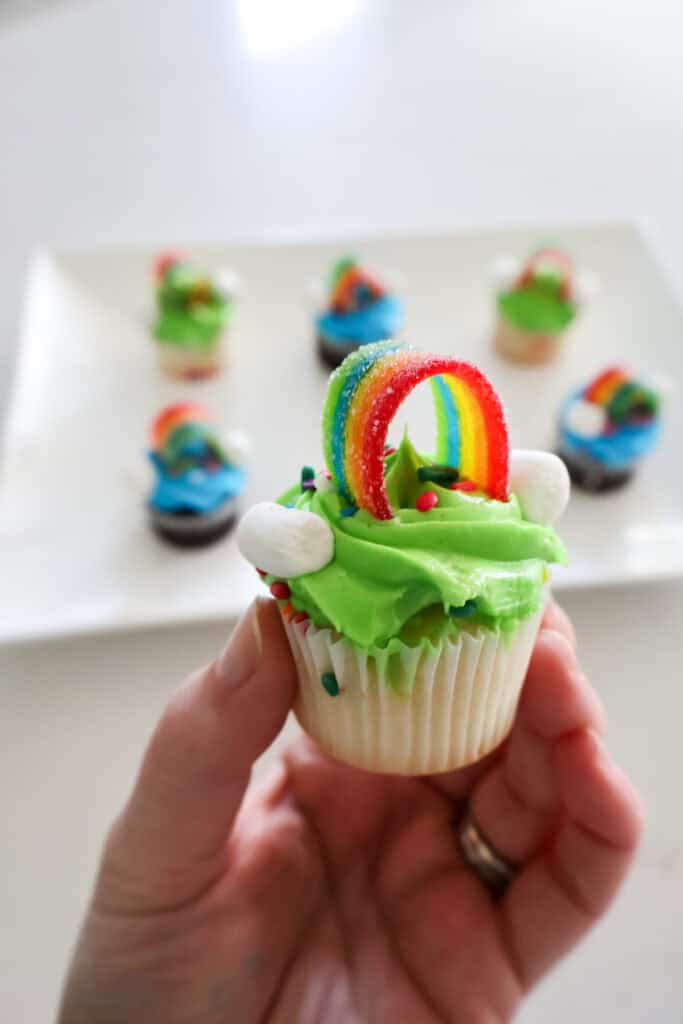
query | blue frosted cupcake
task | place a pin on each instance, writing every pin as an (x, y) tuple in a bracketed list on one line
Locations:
[(194, 499), (359, 312), (605, 428)]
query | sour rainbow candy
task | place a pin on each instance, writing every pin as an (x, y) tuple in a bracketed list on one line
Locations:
[(170, 419), (350, 277), (606, 384), (548, 257), (365, 393), (175, 416)]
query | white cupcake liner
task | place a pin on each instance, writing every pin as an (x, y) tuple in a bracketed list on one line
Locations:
[(459, 698), (523, 346), (185, 362)]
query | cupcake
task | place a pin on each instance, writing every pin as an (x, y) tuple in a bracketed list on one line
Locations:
[(193, 312), (359, 312), (606, 427), (536, 303), (198, 480), (411, 587)]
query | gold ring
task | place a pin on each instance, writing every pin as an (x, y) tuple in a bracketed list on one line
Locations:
[(494, 871)]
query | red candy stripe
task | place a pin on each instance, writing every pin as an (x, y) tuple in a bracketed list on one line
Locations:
[(386, 405)]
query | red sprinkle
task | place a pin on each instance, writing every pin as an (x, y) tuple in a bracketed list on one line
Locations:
[(280, 591), (261, 573), (463, 485), (300, 617), (388, 452), (426, 500)]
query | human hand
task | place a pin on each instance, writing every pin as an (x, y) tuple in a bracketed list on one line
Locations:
[(330, 894)]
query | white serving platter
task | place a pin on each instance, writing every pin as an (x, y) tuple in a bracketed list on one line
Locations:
[(75, 552)]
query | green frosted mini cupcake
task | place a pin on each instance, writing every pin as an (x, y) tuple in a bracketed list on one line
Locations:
[(193, 313), (536, 303)]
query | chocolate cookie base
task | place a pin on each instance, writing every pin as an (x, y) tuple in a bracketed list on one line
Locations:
[(332, 353), (591, 476), (189, 530)]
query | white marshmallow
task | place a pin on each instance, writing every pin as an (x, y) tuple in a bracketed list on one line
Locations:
[(585, 418), (285, 542), (585, 287), (228, 281), (505, 272), (541, 482), (237, 447)]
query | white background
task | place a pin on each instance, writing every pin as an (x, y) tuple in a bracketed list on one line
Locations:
[(124, 121)]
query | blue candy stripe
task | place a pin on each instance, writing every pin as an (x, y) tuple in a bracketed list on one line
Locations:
[(448, 428), (346, 394)]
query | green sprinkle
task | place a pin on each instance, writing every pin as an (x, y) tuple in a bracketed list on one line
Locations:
[(444, 475), (464, 611), (307, 473), (329, 681)]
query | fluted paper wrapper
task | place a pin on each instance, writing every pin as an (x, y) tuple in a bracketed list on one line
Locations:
[(523, 346), (458, 703)]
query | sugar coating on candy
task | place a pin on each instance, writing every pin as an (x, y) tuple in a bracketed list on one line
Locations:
[(285, 542), (363, 397)]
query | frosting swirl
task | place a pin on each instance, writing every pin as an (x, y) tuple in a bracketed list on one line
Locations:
[(471, 560)]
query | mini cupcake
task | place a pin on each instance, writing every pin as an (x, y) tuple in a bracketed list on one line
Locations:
[(193, 501), (606, 427), (193, 313), (411, 587), (359, 312), (536, 303)]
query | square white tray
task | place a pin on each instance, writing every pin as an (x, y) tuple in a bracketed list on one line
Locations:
[(75, 552)]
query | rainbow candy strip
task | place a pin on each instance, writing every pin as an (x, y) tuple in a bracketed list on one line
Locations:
[(365, 393), (174, 416), (180, 424), (553, 258), (622, 397), (603, 388), (345, 285)]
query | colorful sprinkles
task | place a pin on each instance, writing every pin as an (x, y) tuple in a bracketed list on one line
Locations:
[(330, 684), (442, 475), (365, 393), (463, 485), (426, 501), (463, 611)]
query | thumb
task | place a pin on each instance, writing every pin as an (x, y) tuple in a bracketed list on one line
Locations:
[(170, 841)]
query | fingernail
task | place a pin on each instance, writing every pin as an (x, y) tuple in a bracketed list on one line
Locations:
[(564, 642), (243, 652)]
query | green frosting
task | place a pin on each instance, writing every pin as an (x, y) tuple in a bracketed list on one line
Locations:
[(191, 310), (538, 305), (408, 578)]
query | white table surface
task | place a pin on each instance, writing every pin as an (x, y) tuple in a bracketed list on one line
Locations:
[(126, 123)]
